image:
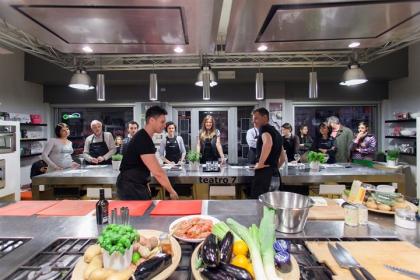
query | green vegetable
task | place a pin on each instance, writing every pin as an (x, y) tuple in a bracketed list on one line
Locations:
[(316, 157), (254, 231), (392, 154), (117, 157), (220, 229), (253, 248), (193, 156), (267, 236), (135, 258), (117, 238)]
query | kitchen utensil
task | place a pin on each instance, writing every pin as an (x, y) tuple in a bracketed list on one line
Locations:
[(403, 271), (341, 260), (113, 216), (291, 209), (352, 261)]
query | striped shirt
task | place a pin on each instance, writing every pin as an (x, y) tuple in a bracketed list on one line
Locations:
[(365, 148)]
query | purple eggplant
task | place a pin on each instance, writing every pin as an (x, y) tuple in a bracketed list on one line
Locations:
[(226, 248), (237, 272), (152, 267), (210, 253), (216, 274)]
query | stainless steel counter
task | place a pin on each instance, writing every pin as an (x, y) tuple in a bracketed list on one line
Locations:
[(227, 175), (47, 229)]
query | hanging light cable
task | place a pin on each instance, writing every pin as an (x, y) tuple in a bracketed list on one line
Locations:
[(153, 86), (259, 85), (100, 85), (313, 83)]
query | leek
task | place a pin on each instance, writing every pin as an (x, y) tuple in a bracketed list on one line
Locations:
[(257, 263), (267, 236), (220, 229)]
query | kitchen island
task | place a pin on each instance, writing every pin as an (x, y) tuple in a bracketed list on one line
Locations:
[(43, 231), (228, 176)]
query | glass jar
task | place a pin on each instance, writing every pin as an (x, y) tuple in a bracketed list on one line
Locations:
[(351, 215)]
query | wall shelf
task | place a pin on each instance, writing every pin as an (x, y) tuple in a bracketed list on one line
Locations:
[(33, 124), (401, 137), (32, 139), (400, 121), (32, 155)]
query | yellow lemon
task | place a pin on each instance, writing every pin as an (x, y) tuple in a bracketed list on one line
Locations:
[(240, 261), (240, 248)]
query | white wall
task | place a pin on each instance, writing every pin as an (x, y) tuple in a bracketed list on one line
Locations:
[(404, 96), (19, 96)]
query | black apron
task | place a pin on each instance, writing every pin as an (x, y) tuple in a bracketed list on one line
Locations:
[(252, 153), (209, 150), (172, 151), (266, 179), (99, 149), (132, 185), (289, 147)]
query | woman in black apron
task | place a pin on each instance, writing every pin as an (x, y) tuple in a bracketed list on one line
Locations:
[(172, 149), (99, 149), (209, 145)]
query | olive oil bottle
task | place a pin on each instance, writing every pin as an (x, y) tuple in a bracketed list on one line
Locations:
[(102, 209)]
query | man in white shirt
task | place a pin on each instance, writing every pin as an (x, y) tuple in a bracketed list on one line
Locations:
[(132, 129), (99, 146), (251, 139)]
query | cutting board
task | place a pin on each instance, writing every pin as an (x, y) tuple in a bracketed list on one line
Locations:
[(372, 255), (330, 212), (177, 208), (26, 208), (69, 208)]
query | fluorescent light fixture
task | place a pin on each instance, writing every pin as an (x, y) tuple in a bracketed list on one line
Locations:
[(205, 70), (353, 76), (206, 86), (153, 87), (179, 50), (354, 44), (80, 80), (100, 87), (313, 85), (262, 48), (87, 49), (259, 86)]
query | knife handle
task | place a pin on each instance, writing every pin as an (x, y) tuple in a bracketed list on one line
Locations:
[(367, 274), (356, 273)]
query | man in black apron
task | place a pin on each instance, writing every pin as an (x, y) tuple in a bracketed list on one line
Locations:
[(251, 139), (99, 146), (140, 159), (270, 154)]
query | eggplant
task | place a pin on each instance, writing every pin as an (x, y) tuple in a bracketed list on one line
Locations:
[(216, 274), (152, 267), (237, 272), (226, 248), (210, 253)]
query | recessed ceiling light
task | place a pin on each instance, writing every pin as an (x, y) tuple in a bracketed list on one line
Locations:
[(178, 50), (87, 49), (354, 44), (262, 48)]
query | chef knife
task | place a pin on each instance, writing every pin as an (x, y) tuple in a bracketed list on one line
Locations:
[(403, 271), (351, 261)]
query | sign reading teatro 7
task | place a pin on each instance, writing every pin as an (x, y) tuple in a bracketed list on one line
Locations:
[(217, 180)]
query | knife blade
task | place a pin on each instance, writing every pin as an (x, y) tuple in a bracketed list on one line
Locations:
[(352, 261), (403, 271), (339, 258)]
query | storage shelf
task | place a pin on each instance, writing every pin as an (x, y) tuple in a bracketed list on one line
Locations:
[(32, 139), (401, 137), (33, 124), (32, 155), (400, 121)]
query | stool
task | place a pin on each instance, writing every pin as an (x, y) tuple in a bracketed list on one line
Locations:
[(222, 192)]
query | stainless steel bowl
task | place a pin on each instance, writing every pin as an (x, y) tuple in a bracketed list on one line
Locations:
[(291, 209)]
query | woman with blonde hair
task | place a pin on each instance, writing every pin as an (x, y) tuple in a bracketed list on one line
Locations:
[(208, 144)]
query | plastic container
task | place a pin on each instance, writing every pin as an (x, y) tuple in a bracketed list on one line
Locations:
[(405, 218)]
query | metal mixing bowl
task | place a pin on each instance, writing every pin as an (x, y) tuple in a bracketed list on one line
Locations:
[(291, 209)]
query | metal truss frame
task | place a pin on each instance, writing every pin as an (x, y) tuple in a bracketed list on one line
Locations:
[(12, 37)]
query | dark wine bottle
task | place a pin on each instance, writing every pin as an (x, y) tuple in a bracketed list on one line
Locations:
[(102, 209)]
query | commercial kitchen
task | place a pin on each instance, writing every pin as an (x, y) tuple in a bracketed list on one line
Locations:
[(217, 139)]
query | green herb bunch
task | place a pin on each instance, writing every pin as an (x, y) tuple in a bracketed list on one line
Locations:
[(316, 157), (117, 157), (193, 156), (392, 154), (117, 238)]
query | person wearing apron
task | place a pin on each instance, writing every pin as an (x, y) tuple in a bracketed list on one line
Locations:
[(290, 141), (139, 161), (270, 155), (208, 144), (99, 146), (172, 148), (251, 139)]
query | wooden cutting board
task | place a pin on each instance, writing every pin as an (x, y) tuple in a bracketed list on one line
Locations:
[(372, 255), (331, 212)]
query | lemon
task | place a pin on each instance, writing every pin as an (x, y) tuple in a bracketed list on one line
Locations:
[(240, 248), (240, 261)]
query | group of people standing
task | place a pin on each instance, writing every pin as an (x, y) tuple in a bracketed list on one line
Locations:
[(333, 139)]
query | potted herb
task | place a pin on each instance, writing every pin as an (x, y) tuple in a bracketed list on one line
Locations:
[(116, 161), (194, 160), (392, 157), (315, 159)]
